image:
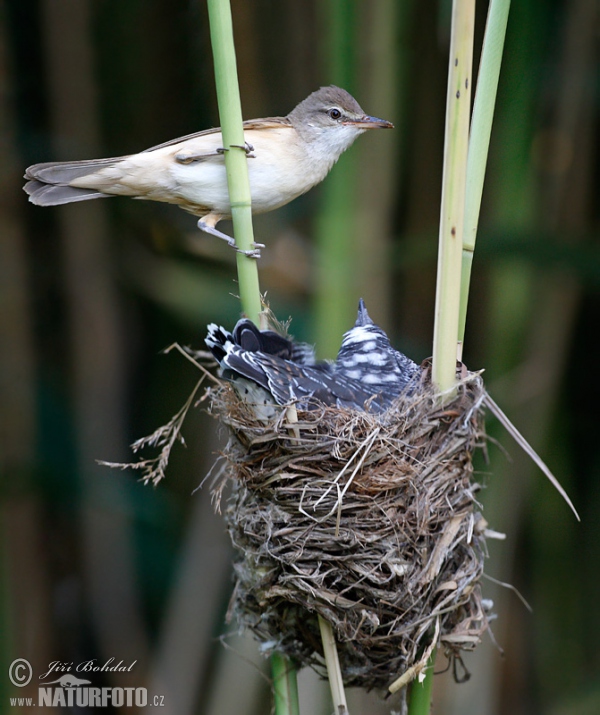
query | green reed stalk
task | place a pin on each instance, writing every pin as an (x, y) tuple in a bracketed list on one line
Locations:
[(230, 112), (479, 141), (419, 701), (285, 685), (236, 163), (336, 259), (458, 107)]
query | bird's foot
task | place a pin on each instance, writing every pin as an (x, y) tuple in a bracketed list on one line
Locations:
[(254, 252), (248, 148)]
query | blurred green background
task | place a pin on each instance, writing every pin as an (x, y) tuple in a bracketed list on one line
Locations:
[(94, 564)]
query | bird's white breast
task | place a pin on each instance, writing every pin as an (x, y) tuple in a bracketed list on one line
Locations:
[(281, 169)]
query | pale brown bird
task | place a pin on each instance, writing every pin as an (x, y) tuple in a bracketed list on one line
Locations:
[(288, 156)]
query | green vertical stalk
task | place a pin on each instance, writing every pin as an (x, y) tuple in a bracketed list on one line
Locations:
[(419, 701), (447, 303), (335, 297), (230, 112), (285, 685), (458, 107), (236, 164), (479, 141)]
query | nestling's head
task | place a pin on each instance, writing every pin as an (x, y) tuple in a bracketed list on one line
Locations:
[(332, 119)]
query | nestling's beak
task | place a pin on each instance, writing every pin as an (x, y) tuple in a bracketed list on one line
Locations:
[(363, 317), (366, 122)]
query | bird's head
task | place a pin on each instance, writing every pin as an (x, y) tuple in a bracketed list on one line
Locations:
[(362, 318), (364, 337), (330, 119), (367, 355)]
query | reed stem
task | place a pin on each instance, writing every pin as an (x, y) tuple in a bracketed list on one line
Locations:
[(479, 140), (236, 162), (334, 672), (419, 702), (458, 106), (285, 685), (448, 287)]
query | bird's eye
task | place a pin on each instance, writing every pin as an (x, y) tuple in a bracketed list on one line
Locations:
[(334, 113)]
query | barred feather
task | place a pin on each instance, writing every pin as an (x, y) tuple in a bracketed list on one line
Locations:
[(268, 369)]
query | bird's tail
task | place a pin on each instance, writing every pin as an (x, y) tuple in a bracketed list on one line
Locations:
[(218, 340), (48, 183)]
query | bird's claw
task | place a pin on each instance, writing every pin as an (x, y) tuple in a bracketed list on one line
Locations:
[(254, 252), (248, 148)]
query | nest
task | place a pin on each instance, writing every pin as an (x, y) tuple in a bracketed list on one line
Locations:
[(368, 520)]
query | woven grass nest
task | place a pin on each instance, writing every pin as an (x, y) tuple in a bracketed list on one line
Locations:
[(369, 520)]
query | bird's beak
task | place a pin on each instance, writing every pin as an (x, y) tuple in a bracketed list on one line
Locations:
[(363, 317), (366, 122)]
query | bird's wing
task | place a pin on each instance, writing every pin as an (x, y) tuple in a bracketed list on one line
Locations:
[(249, 365), (288, 381), (335, 389), (267, 123), (63, 172), (303, 383), (250, 124)]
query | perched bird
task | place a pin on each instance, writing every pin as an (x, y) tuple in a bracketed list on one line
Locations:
[(269, 372), (288, 156)]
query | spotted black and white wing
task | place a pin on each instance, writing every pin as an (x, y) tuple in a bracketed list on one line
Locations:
[(367, 355), (268, 370), (260, 365), (287, 381)]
